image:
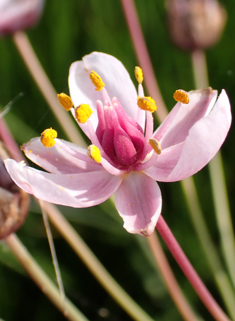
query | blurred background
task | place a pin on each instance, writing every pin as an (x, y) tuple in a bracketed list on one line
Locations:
[(66, 32)]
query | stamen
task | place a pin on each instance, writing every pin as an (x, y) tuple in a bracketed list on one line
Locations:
[(96, 80), (139, 74), (155, 145), (147, 103), (83, 112), (48, 137), (65, 101), (94, 153), (181, 96)]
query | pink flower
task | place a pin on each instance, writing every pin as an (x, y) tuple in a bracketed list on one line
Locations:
[(19, 14), (185, 142)]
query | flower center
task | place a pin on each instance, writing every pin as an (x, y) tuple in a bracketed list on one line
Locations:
[(120, 136)]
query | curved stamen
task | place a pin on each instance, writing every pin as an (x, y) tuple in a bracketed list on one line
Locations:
[(148, 134)]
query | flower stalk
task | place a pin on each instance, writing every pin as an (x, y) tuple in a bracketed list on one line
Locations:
[(143, 56), (94, 265), (189, 271), (80, 144), (42, 280), (53, 252), (221, 278), (32, 63), (219, 190), (121, 132), (173, 287), (79, 247), (202, 81)]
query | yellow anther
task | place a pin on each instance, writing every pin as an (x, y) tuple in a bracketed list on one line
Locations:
[(96, 80), (65, 101), (181, 96), (155, 145), (147, 103), (139, 75), (94, 153), (48, 137), (83, 112)]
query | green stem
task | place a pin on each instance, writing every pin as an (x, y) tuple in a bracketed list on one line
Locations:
[(169, 279), (223, 214), (207, 245), (94, 265), (219, 190), (143, 57), (42, 280), (82, 250), (32, 63), (153, 88), (200, 69), (53, 251)]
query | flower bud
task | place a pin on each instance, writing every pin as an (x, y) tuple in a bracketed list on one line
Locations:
[(195, 24), (14, 202), (19, 15)]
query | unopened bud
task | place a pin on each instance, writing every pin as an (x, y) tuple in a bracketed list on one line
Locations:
[(195, 24), (14, 202), (19, 15)]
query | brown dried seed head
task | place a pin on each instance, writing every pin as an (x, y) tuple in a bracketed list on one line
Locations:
[(14, 202), (195, 24)]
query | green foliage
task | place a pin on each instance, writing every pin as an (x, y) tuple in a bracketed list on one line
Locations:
[(67, 31)]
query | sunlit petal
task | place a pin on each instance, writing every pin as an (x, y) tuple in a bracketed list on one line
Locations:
[(138, 201), (75, 190)]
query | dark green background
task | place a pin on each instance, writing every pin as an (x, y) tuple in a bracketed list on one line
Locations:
[(67, 31)]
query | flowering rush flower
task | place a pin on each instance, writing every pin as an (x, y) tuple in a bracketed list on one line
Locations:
[(126, 156), (19, 14)]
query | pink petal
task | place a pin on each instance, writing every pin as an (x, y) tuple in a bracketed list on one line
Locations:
[(202, 143), (116, 78), (165, 163), (82, 91), (19, 14), (63, 157), (138, 201), (175, 131), (114, 75), (75, 190)]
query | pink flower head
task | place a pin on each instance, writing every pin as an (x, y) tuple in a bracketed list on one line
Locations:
[(126, 157), (19, 14)]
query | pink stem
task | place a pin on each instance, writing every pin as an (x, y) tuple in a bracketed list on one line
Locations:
[(171, 283), (143, 56), (189, 271), (9, 141)]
